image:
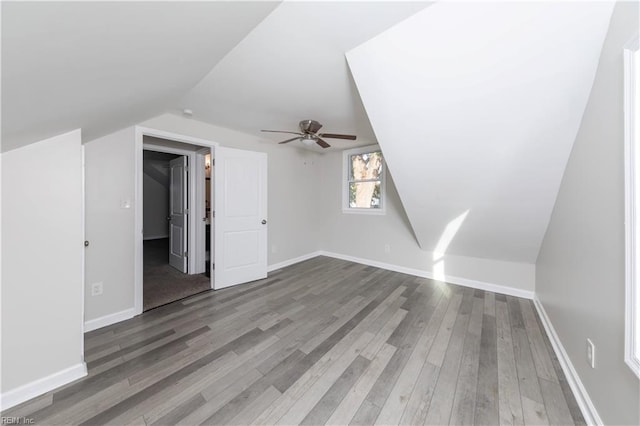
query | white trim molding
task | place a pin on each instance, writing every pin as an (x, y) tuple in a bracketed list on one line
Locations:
[(345, 182), (292, 261), (41, 386), (84, 238), (480, 285), (589, 411), (466, 282), (200, 229), (140, 132), (139, 221), (632, 208), (106, 320), (194, 186)]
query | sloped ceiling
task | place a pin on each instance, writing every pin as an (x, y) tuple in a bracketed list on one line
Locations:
[(156, 166), (104, 65), (292, 67), (476, 107)]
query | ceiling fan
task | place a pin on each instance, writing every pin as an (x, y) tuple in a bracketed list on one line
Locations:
[(309, 135)]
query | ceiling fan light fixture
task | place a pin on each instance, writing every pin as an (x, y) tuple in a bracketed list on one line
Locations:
[(308, 140)]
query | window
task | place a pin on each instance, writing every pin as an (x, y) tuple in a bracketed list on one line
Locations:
[(363, 181), (632, 204)]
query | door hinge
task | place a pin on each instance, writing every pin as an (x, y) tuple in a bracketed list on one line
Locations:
[(213, 162), (186, 169), (213, 213), (186, 211), (186, 254)]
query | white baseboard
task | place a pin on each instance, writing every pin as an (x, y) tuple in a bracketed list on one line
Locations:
[(41, 386), (106, 320), (589, 411), (293, 261), (481, 285)]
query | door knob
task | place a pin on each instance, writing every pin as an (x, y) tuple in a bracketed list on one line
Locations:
[(264, 222)]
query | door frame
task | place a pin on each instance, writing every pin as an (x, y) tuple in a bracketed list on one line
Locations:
[(192, 191), (195, 225), (83, 223), (200, 238), (631, 56)]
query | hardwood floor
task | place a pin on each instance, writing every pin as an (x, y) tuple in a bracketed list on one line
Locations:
[(321, 342)]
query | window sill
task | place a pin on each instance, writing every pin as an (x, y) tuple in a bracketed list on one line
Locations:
[(372, 212), (634, 364)]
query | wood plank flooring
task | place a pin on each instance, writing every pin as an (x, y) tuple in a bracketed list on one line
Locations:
[(321, 342)]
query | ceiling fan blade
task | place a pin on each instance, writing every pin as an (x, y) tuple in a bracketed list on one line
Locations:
[(288, 140), (282, 131), (337, 136), (322, 143)]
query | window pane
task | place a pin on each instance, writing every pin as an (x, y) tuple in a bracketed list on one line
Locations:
[(364, 195), (364, 166)]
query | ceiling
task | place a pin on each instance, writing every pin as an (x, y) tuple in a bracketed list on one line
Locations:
[(476, 104), (476, 108), (102, 66), (292, 67)]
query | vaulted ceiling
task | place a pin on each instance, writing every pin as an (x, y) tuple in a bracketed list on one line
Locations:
[(102, 66), (292, 67), (475, 105)]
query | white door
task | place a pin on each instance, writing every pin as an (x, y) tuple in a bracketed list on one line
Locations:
[(178, 213), (240, 216), (212, 220)]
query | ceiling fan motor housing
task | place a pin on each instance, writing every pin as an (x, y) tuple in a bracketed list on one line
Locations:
[(310, 126)]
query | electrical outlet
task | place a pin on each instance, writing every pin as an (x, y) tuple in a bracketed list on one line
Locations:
[(96, 289), (591, 353), (387, 248)]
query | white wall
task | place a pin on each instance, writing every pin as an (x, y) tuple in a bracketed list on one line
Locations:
[(292, 187), (580, 269), (42, 261), (304, 217), (476, 106), (110, 181), (365, 236), (156, 208)]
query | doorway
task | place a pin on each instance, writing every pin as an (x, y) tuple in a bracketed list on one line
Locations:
[(174, 194), (238, 215)]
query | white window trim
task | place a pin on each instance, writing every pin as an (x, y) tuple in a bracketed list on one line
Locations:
[(632, 211), (345, 179)]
